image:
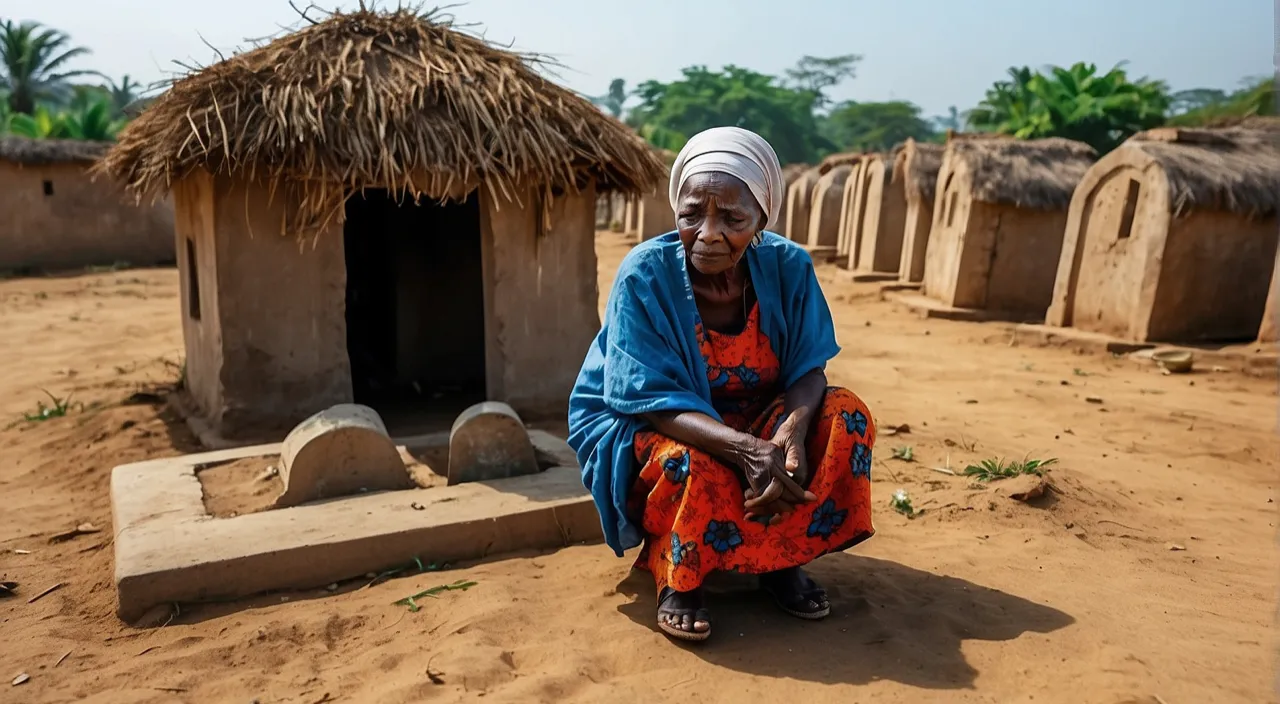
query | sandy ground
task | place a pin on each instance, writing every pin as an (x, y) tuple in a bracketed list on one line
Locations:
[(1150, 577)]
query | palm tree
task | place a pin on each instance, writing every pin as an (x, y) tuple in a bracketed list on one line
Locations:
[(611, 101), (1078, 103), (33, 64), (124, 94)]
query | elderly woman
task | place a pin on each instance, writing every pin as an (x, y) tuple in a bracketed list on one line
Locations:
[(702, 417)]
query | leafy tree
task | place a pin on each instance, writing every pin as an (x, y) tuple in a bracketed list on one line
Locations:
[(1185, 101), (817, 74), (875, 126), (33, 64), (669, 113), (1078, 103), (125, 95), (1256, 97), (611, 101), (93, 121)]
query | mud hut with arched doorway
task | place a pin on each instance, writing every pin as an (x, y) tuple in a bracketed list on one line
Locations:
[(790, 173), (54, 215), (997, 228), (917, 167), (381, 209), (883, 218), (1172, 238), (799, 205)]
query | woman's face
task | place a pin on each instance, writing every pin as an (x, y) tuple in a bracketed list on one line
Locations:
[(717, 219)]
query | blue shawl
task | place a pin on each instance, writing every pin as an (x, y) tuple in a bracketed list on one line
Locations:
[(646, 358)]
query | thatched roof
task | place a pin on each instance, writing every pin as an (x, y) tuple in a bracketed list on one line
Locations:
[(1234, 169), (43, 152), (791, 172), (918, 164), (1037, 173), (845, 159), (369, 99)]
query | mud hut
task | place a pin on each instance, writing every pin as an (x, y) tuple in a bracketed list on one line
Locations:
[(856, 199), (997, 230), (790, 173), (54, 215), (917, 168), (883, 218), (1267, 332), (824, 211), (383, 209), (848, 201), (1172, 238), (799, 203), (655, 216)]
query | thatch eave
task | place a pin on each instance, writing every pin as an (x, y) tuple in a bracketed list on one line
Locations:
[(1039, 174), (48, 152), (371, 99), (1235, 170)]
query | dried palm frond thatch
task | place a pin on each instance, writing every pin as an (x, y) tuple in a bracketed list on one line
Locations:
[(842, 159), (917, 164), (44, 152), (1035, 173), (368, 99), (1235, 169)]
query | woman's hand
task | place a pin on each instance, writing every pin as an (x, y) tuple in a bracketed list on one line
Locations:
[(768, 466)]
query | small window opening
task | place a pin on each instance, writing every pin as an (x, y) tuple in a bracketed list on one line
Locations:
[(952, 197), (193, 282), (1130, 209), (48, 188)]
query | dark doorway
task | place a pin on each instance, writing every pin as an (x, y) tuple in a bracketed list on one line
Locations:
[(415, 306)]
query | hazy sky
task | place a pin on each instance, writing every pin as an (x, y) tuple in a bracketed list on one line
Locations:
[(936, 53)]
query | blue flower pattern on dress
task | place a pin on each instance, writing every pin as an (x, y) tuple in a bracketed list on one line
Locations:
[(722, 536), (718, 377), (855, 423), (826, 519), (860, 458), (679, 550), (676, 469)]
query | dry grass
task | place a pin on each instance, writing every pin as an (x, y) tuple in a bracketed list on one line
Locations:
[(846, 159), (917, 165), (1234, 169), (369, 99), (1037, 173), (43, 152)]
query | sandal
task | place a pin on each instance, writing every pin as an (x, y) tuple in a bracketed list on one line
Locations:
[(699, 614), (795, 593)]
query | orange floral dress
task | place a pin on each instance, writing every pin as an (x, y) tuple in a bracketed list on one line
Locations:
[(691, 504)]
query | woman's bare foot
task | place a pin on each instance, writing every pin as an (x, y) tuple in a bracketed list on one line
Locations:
[(681, 615)]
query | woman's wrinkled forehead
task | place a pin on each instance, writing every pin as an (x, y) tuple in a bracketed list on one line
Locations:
[(728, 191)]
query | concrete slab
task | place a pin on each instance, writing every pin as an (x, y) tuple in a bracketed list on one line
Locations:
[(1078, 339), (1255, 359), (899, 286), (873, 276), (821, 254), (929, 308), (167, 549)]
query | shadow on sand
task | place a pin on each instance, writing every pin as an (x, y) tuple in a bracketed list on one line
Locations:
[(888, 622)]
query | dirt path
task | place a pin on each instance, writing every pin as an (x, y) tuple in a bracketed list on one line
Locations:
[(1151, 578)]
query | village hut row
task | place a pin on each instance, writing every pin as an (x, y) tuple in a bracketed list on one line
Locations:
[(644, 217), (1171, 237), (344, 234), (54, 215)]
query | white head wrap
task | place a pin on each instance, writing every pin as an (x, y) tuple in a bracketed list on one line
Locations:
[(734, 151)]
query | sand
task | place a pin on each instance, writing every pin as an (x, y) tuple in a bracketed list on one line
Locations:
[(1150, 575)]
